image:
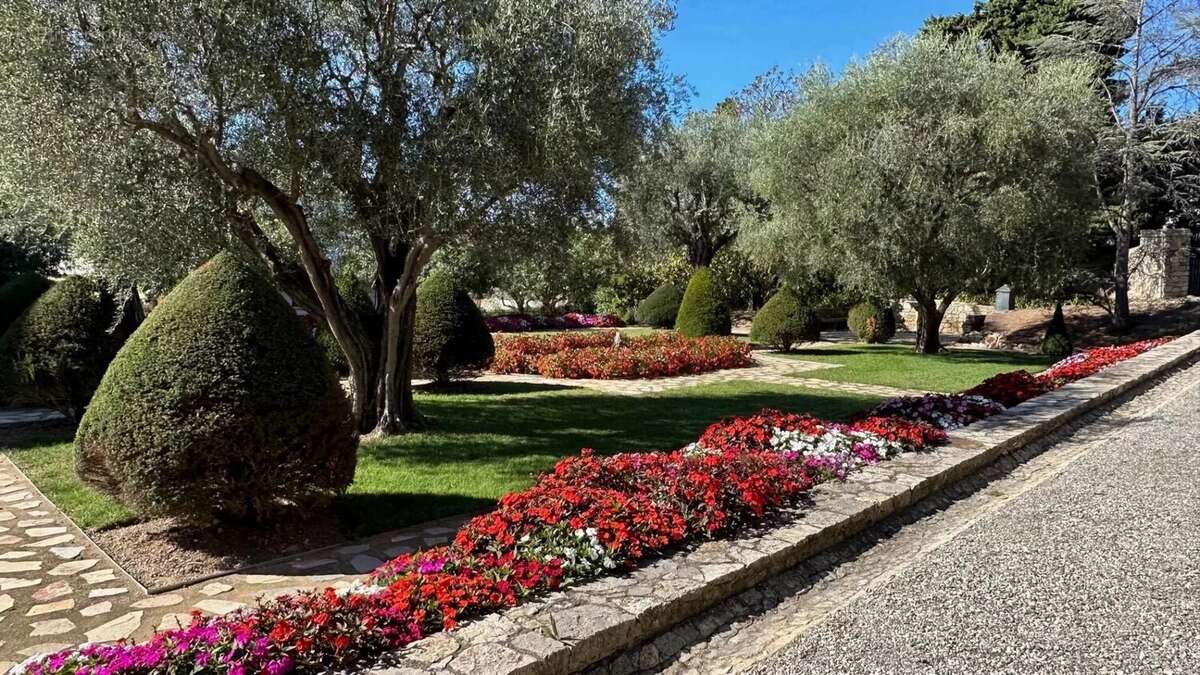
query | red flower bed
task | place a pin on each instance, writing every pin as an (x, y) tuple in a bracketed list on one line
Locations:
[(1006, 390), (1086, 364), (588, 516), (594, 355), (1009, 389)]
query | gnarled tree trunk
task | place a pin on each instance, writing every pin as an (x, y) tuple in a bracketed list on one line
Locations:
[(397, 413), (930, 313)]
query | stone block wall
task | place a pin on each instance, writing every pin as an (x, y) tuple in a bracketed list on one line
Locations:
[(952, 322), (1158, 268)]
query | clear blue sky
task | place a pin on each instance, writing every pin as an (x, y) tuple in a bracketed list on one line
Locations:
[(721, 45)]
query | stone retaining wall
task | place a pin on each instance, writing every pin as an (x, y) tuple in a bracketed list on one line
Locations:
[(952, 321), (573, 629)]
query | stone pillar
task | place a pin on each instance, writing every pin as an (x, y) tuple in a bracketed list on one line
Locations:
[(1158, 268)]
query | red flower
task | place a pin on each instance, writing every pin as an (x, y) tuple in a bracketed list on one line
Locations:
[(282, 632)]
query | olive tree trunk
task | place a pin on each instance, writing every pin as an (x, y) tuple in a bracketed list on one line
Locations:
[(930, 313), (397, 412)]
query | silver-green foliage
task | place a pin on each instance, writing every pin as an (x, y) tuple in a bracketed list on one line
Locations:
[(925, 169), (302, 129), (692, 189)]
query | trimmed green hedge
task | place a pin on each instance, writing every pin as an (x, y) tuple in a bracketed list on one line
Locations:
[(219, 407), (450, 335), (703, 310), (17, 294), (55, 353), (872, 322), (661, 307), (784, 321)]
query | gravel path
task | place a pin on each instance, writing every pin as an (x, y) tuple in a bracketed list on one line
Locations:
[(1095, 570)]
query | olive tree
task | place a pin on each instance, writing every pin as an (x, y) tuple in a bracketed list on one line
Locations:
[(692, 189), (313, 126), (924, 170)]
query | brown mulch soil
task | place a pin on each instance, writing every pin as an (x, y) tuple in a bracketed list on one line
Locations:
[(1090, 326), (166, 551)]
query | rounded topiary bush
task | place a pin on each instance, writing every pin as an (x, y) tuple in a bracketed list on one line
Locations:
[(220, 406), (703, 310), (449, 334), (661, 307), (784, 321), (872, 322), (55, 353), (17, 294)]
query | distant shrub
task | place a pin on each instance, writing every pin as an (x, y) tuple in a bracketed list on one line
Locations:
[(17, 294), (872, 322), (703, 310), (661, 307), (1057, 342), (219, 407), (784, 321), (55, 353), (450, 333), (1057, 346)]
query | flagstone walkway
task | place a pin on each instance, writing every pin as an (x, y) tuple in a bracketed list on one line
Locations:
[(769, 368), (57, 588)]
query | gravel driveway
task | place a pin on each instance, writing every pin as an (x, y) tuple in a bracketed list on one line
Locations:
[(1096, 570)]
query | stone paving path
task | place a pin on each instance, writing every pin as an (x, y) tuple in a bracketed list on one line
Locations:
[(769, 368), (58, 589), (932, 590)]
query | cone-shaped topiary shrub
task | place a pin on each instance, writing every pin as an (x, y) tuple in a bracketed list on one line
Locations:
[(55, 353), (450, 335), (784, 321), (220, 407), (1057, 341), (17, 294), (703, 310), (872, 322), (661, 307)]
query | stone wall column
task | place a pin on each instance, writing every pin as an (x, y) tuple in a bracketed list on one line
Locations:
[(1158, 268)]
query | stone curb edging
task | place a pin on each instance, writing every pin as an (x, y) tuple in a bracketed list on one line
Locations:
[(568, 631)]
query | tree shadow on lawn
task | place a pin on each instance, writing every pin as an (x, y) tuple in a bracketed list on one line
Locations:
[(467, 428), (488, 441)]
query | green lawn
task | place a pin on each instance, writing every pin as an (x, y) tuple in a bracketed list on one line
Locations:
[(48, 459), (899, 366), (488, 439)]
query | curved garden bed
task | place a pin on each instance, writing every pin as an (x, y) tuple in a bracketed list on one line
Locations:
[(605, 355)]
